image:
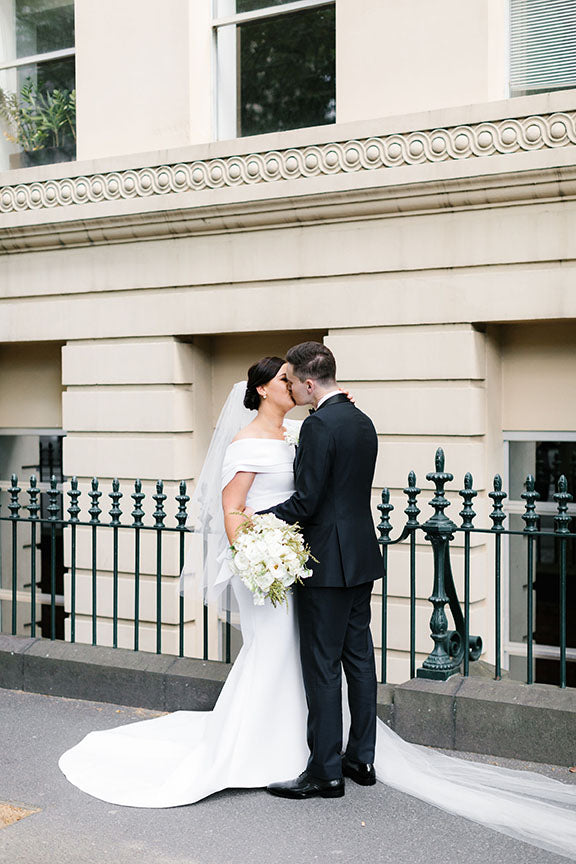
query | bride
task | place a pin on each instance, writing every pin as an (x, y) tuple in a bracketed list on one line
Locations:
[(256, 733)]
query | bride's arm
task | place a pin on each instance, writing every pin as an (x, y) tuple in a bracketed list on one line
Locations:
[(234, 501)]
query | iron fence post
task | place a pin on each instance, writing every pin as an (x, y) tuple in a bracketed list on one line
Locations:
[(115, 513), (412, 511), (531, 520), (181, 518), (137, 514), (439, 665), (94, 512), (14, 508), (159, 516), (33, 507), (498, 516), (562, 520), (467, 514), (384, 529)]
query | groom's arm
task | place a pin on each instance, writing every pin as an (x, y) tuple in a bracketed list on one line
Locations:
[(312, 466)]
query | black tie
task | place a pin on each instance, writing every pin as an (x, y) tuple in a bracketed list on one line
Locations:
[(311, 411)]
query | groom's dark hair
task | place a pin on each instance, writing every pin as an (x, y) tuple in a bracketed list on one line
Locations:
[(312, 360)]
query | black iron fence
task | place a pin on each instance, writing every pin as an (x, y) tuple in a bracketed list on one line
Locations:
[(454, 648), (42, 514)]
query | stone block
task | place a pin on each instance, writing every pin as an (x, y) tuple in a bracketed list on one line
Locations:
[(129, 409), (409, 353), (12, 651), (418, 409), (424, 711), (151, 457), (194, 685), (385, 704), (128, 361), (397, 457), (517, 721)]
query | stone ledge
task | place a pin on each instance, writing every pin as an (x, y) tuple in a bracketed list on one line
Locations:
[(534, 722), (139, 679), (477, 714)]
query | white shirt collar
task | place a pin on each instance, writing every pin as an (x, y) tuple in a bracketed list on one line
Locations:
[(327, 396)]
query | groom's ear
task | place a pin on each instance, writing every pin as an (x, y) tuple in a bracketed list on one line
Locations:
[(310, 385)]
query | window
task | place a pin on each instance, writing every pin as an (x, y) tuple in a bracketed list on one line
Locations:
[(37, 81), (542, 45), (547, 456), (275, 65)]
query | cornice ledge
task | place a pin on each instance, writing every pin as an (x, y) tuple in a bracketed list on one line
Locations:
[(426, 196), (534, 132)]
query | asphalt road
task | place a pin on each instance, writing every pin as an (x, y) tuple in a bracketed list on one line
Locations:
[(376, 825)]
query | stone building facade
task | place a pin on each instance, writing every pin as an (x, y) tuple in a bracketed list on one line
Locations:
[(425, 232)]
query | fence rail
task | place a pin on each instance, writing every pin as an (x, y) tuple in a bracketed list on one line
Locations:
[(454, 648)]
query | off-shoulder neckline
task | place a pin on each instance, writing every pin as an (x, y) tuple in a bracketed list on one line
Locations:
[(278, 440)]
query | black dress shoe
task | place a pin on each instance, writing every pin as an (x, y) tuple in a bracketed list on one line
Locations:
[(306, 786), (362, 773)]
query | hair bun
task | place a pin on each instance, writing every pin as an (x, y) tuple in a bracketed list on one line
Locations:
[(251, 398)]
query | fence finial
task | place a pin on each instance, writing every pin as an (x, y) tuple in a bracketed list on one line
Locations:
[(95, 510), (14, 491), (33, 492), (137, 496), (115, 511), (74, 494), (497, 514), (530, 496), (562, 497), (467, 494), (385, 526)]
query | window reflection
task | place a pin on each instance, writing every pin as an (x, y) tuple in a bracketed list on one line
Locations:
[(547, 461), (287, 72), (43, 26)]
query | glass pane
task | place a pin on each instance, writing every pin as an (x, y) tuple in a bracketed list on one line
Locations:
[(546, 622), (41, 123), (547, 461), (233, 7), (287, 72), (518, 600), (43, 25), (30, 27)]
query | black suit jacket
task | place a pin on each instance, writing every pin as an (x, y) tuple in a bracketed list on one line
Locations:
[(333, 470)]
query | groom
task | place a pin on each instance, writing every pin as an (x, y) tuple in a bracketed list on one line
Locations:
[(334, 468)]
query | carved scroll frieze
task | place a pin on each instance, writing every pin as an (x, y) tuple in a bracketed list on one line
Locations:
[(388, 151)]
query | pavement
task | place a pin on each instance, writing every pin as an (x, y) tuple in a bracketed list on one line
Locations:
[(376, 824)]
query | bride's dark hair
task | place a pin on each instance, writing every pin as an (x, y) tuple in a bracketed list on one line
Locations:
[(260, 373)]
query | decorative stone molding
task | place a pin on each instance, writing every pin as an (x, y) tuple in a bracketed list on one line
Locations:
[(390, 151)]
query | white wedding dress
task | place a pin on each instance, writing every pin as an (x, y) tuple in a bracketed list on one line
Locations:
[(256, 733)]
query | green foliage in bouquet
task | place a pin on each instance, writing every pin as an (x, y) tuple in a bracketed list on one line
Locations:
[(36, 119)]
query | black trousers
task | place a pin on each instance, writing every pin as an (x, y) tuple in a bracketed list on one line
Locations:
[(335, 634)]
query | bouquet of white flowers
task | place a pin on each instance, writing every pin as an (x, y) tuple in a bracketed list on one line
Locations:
[(269, 556)]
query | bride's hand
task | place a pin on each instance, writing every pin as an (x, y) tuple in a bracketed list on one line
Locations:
[(348, 395), (248, 512)]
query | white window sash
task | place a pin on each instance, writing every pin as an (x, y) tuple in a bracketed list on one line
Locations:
[(38, 58), (269, 12)]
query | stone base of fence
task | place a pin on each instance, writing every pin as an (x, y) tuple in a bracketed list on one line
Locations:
[(504, 718)]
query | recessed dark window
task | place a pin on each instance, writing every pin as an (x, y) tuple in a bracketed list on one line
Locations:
[(287, 70)]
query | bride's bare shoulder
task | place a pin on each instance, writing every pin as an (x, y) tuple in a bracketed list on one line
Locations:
[(247, 432)]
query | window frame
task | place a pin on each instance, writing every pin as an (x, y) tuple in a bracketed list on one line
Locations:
[(516, 507), (225, 63), (39, 60)]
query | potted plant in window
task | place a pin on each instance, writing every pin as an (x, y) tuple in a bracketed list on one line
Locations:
[(43, 124)]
